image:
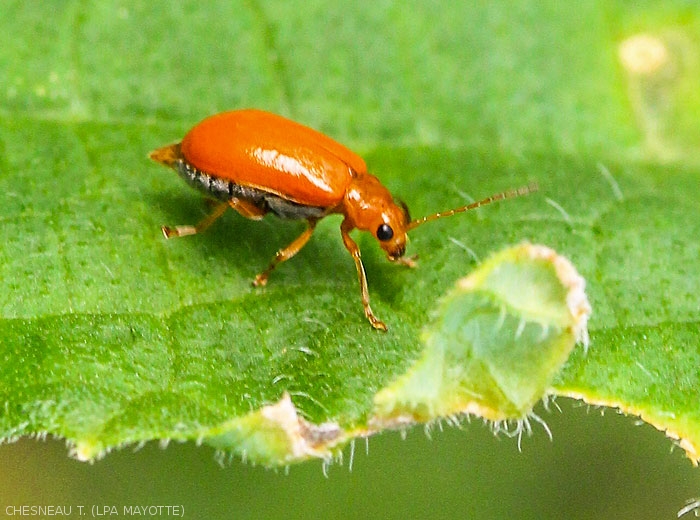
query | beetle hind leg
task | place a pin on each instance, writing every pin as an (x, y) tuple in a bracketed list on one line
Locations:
[(247, 208), (182, 231), (286, 253)]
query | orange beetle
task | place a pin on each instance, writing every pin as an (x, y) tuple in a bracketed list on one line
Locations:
[(258, 163)]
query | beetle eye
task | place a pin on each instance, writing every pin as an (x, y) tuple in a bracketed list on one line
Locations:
[(384, 232)]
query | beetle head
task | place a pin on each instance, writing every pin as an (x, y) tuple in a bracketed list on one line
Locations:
[(390, 230), (370, 207)]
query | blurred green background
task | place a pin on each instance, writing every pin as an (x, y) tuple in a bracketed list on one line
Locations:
[(594, 468)]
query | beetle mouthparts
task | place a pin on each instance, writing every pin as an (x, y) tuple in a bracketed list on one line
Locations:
[(397, 255)]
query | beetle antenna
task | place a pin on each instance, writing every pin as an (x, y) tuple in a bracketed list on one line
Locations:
[(510, 194)]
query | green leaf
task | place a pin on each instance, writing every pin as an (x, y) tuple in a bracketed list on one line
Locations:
[(110, 335)]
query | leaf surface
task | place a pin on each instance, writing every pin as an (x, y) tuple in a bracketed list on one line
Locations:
[(110, 335)]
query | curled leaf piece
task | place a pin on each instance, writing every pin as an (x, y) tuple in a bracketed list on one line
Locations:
[(275, 435), (496, 343)]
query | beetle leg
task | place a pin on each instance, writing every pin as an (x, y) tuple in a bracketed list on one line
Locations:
[(354, 251), (247, 209), (181, 231), (285, 254)]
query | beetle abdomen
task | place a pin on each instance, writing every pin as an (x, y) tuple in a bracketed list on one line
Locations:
[(224, 190)]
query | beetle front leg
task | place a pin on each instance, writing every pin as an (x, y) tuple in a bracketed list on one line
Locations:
[(285, 254), (181, 231), (354, 251)]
